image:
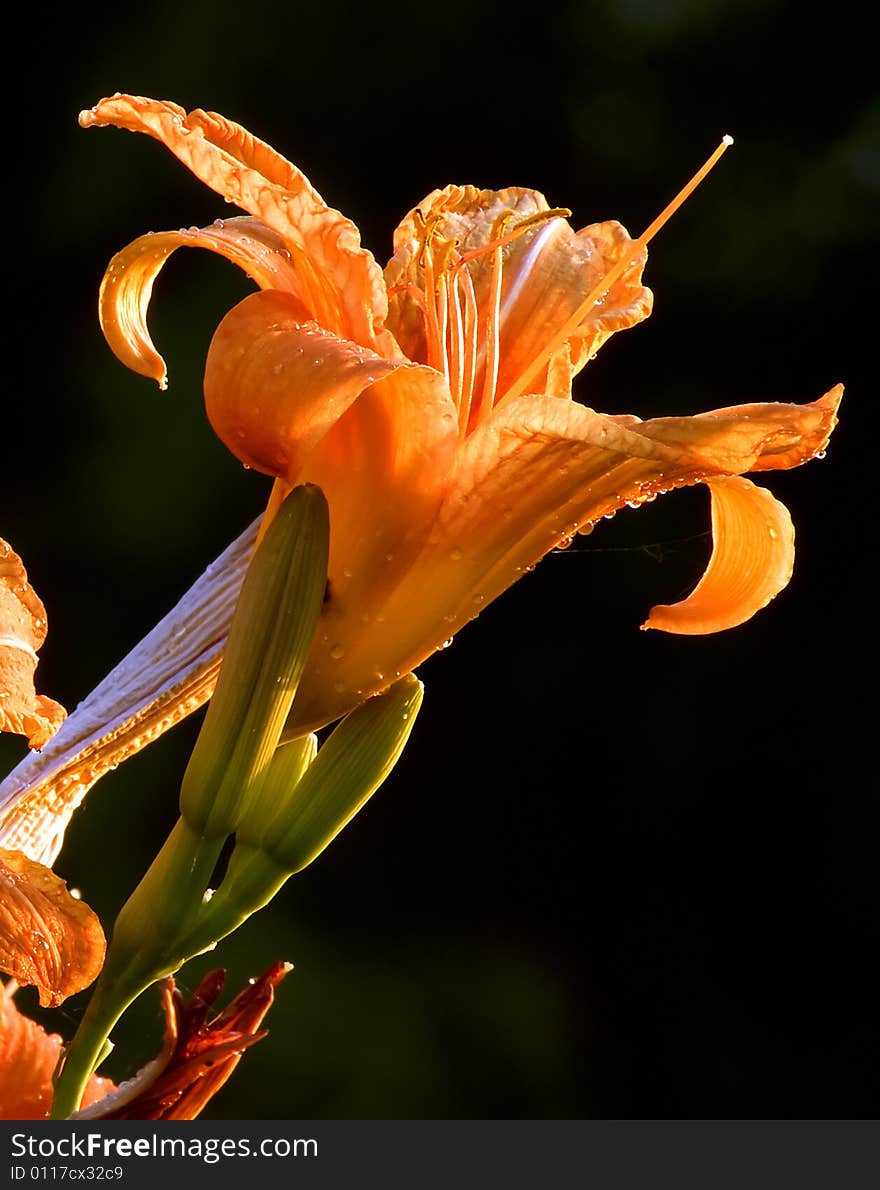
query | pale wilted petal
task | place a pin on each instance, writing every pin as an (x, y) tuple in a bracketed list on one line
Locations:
[(164, 678)]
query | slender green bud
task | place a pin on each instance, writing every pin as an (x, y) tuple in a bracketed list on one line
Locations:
[(275, 789), (349, 768), (268, 643)]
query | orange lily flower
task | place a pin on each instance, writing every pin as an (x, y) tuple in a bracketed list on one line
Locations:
[(22, 632), (199, 1053), (432, 402), (47, 936)]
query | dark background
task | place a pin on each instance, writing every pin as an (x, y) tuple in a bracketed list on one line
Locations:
[(616, 873)]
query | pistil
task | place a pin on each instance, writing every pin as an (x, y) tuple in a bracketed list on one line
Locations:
[(597, 293)]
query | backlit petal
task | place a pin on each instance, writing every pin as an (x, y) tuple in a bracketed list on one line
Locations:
[(752, 560), (47, 937), (128, 282), (22, 632), (339, 280), (28, 1057)]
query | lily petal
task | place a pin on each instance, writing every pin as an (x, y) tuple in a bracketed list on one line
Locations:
[(755, 437), (752, 560), (47, 937), (274, 385), (377, 436), (22, 632), (536, 473), (128, 282), (340, 281), (28, 1057), (383, 468)]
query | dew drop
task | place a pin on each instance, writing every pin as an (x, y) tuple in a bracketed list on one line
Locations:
[(337, 652), (456, 553)]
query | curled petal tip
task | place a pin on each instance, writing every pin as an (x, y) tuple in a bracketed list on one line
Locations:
[(752, 560)]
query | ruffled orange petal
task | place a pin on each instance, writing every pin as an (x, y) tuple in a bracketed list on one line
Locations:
[(339, 280), (22, 632), (28, 1057), (547, 272), (47, 937), (536, 473), (752, 560), (128, 282)]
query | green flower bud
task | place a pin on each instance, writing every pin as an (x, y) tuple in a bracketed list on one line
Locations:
[(348, 769), (268, 643)]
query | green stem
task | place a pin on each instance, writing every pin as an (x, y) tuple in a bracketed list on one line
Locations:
[(149, 942)]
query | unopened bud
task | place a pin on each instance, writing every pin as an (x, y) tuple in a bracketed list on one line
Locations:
[(268, 643)]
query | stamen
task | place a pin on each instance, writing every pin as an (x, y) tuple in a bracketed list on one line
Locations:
[(469, 365), (614, 273), (517, 230), (442, 319), (490, 369), (436, 353), (456, 336)]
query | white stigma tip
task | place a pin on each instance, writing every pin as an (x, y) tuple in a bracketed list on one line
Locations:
[(727, 139)]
